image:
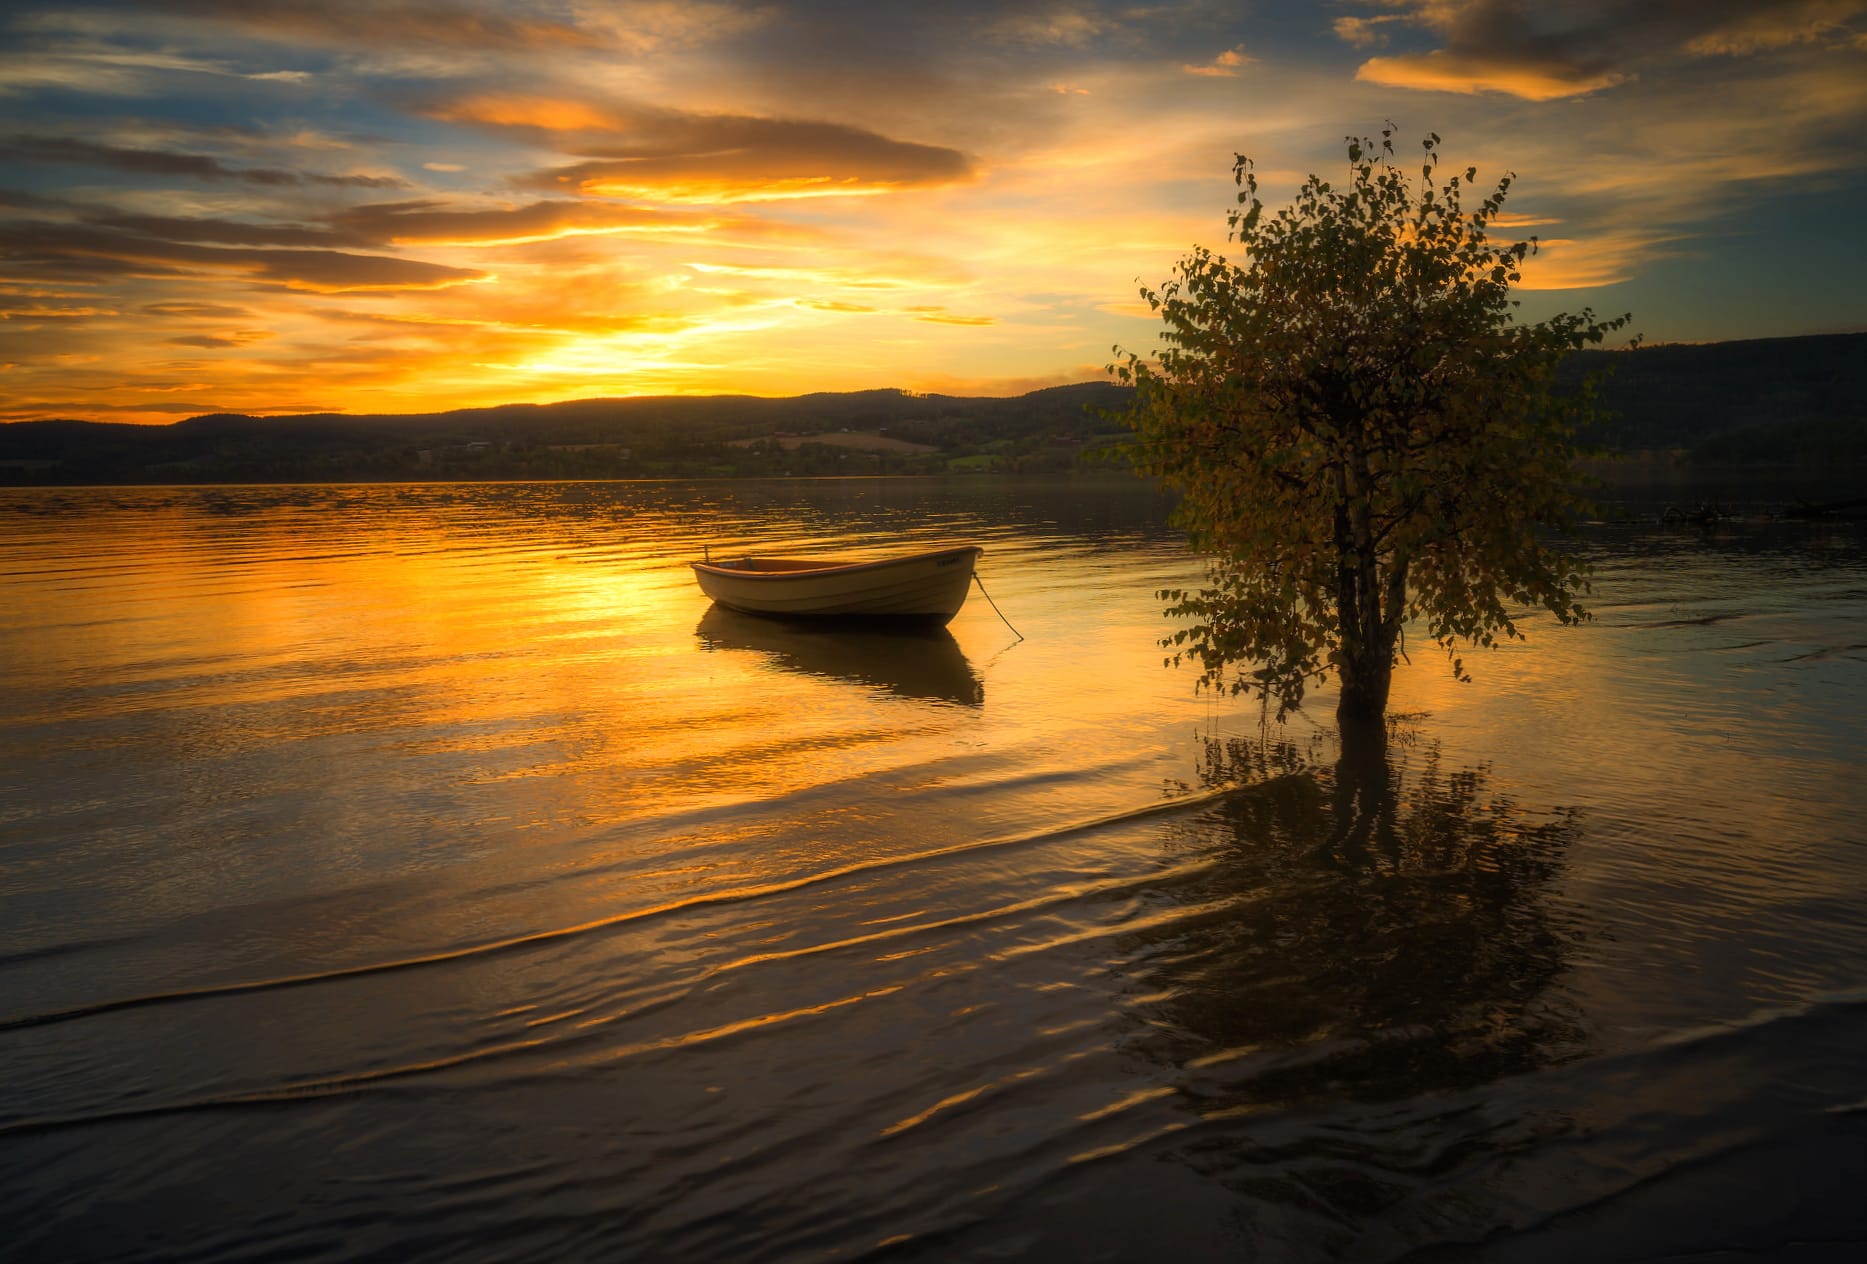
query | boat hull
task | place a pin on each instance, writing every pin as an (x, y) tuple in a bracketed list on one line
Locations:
[(923, 588)]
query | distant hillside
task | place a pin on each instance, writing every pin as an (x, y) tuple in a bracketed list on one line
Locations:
[(1774, 401), (596, 438)]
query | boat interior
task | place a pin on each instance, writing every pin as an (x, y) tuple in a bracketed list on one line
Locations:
[(778, 564)]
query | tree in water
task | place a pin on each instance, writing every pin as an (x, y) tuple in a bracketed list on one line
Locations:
[(1361, 433)]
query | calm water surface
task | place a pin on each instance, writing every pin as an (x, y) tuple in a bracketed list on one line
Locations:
[(429, 873)]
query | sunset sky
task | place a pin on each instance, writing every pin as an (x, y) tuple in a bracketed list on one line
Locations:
[(276, 206)]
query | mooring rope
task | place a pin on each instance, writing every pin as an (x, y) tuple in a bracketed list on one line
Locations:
[(994, 604)]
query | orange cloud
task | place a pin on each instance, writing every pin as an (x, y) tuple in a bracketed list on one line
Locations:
[(39, 311), (1443, 71), (1608, 257), (548, 114), (1507, 221), (1224, 66), (208, 311), (333, 272), (526, 315), (716, 180), (242, 338), (671, 156)]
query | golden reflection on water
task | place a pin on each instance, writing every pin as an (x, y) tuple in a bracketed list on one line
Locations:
[(1697, 699), (410, 677), (440, 816)]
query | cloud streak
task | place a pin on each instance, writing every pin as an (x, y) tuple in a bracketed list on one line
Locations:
[(84, 252), (408, 223), (75, 151), (351, 23)]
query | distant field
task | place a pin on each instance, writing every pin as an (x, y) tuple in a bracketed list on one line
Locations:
[(860, 440)]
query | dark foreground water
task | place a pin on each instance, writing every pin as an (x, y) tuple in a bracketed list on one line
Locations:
[(427, 873)]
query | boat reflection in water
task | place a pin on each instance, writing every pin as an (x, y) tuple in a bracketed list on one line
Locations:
[(909, 662)]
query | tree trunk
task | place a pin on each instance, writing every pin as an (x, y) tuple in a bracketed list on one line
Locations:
[(1367, 670), (1366, 676), (1366, 656)]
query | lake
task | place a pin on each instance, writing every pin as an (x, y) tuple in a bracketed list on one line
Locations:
[(428, 873)]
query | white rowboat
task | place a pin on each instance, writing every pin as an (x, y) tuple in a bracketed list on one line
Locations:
[(924, 587)]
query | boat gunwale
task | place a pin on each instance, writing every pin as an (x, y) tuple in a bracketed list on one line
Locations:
[(833, 568)]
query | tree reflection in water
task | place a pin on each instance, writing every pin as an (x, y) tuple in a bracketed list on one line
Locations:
[(1372, 932)]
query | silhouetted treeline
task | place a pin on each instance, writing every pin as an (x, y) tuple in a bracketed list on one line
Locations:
[(1775, 401)]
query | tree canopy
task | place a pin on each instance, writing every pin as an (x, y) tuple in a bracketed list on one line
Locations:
[(1361, 432)]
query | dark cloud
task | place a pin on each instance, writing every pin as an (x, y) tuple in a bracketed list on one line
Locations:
[(42, 409), (333, 271), (351, 23), (30, 310), (206, 311), (982, 76), (522, 318), (69, 249), (358, 182), (434, 221), (17, 200), (229, 232), (65, 149), (208, 342), (641, 151), (1544, 51), (71, 150)]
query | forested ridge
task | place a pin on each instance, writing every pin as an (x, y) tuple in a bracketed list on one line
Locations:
[(1768, 401)]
